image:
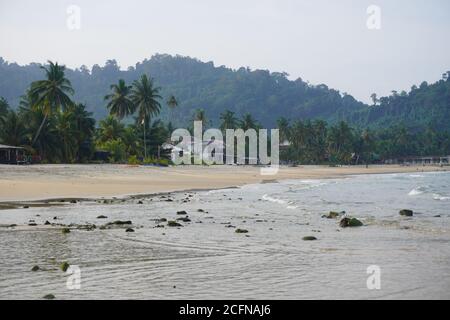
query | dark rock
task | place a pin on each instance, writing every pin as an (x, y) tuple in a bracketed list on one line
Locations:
[(49, 296), (181, 212), (309, 238), (437, 216), (102, 217), (55, 218), (406, 213), (47, 222), (35, 268), (140, 202), (159, 226), (65, 230), (350, 222), (73, 201), (119, 222), (184, 219), (26, 207), (64, 266), (200, 210), (169, 200), (129, 230), (173, 224), (32, 224), (241, 231)]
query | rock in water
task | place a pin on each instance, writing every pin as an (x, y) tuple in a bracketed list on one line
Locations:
[(119, 222), (350, 222), (102, 217), (65, 230), (309, 238), (129, 230), (173, 224), (331, 215), (49, 296), (241, 231), (47, 222), (64, 266), (406, 213), (35, 268), (181, 212)]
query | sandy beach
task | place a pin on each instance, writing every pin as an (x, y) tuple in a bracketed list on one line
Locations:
[(41, 182)]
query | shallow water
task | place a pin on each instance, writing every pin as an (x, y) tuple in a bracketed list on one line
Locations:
[(206, 259)]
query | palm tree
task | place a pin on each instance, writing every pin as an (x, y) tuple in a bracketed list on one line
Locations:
[(283, 126), (248, 122), (145, 97), (66, 127), (52, 94), (84, 125), (119, 102), (172, 103), (14, 131), (4, 107), (229, 121), (109, 129)]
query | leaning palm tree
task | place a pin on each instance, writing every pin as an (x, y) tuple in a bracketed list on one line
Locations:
[(119, 101), (51, 94), (145, 97)]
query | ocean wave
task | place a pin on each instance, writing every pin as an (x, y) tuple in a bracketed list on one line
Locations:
[(274, 200), (416, 191), (437, 196)]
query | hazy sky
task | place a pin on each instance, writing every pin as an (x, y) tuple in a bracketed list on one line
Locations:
[(317, 40)]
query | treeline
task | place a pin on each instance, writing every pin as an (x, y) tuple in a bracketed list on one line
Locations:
[(54, 128), (423, 106), (317, 142)]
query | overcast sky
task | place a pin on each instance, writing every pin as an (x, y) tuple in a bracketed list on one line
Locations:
[(320, 41)]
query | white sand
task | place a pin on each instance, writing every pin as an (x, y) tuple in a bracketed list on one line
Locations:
[(38, 182)]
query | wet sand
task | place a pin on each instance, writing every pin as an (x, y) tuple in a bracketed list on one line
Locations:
[(40, 182)]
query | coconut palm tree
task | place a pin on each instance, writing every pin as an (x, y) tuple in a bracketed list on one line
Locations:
[(119, 101), (283, 126), (52, 94), (109, 129), (228, 120), (14, 131), (145, 97), (172, 103), (248, 122), (4, 107)]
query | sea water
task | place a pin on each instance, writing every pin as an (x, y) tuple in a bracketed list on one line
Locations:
[(207, 259)]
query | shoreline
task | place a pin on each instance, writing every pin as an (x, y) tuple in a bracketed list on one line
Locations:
[(45, 184)]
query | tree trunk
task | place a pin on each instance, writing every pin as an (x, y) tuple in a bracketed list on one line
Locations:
[(40, 129)]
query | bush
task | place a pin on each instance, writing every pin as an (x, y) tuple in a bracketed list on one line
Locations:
[(133, 160), (117, 150)]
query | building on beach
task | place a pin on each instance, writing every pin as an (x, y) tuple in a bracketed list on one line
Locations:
[(12, 155), (429, 160)]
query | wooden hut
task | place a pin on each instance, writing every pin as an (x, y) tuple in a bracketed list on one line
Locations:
[(12, 155)]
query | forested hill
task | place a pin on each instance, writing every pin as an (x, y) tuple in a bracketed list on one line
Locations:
[(267, 96), (196, 85), (425, 106)]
